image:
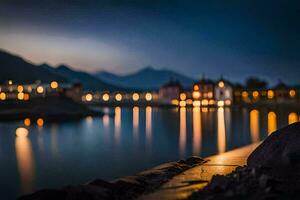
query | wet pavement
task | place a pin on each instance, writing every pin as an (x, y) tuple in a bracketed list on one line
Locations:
[(196, 178)]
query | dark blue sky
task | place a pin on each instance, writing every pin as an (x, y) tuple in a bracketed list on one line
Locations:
[(233, 38)]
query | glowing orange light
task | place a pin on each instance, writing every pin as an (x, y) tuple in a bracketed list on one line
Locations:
[(21, 132), (293, 117), (270, 94), (272, 122), (175, 102), (27, 122), (196, 94), (221, 84), (40, 89), (135, 97), (205, 110), (254, 125), (182, 103), (26, 97), (255, 94), (204, 102), (148, 96), (211, 102), (118, 97), (210, 95), (2, 96), (40, 122), (244, 94), (189, 101), (196, 87), (54, 84), (220, 103), (196, 103), (21, 96), (221, 131), (227, 102), (182, 131), (292, 93), (182, 96), (88, 97), (20, 88), (105, 97), (197, 131)]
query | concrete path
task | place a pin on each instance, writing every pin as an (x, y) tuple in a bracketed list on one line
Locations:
[(184, 184)]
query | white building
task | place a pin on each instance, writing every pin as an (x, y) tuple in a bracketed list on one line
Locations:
[(223, 92)]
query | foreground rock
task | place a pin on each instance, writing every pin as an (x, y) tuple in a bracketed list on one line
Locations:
[(124, 188), (272, 171), (280, 152)]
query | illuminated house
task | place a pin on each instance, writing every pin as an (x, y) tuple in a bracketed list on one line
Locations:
[(223, 92), (170, 91), (203, 91)]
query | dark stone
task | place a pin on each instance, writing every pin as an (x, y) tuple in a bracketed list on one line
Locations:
[(194, 160), (46, 195), (281, 149), (219, 183)]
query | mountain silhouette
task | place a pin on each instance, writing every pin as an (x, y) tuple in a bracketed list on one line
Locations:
[(146, 78), (22, 71), (88, 81)]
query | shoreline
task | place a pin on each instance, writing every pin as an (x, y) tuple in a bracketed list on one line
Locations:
[(128, 187), (54, 109)]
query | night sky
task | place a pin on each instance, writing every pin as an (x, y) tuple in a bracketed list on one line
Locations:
[(234, 38)]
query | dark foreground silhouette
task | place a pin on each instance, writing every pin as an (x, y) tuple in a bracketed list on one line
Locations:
[(272, 171)]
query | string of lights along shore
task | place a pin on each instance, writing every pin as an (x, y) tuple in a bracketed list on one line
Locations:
[(204, 93)]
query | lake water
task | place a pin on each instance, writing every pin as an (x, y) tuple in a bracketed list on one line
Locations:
[(132, 140)]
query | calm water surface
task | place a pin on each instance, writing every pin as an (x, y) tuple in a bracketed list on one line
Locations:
[(134, 139)]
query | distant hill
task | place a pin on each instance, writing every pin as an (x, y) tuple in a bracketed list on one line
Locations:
[(21, 71), (147, 78), (88, 81)]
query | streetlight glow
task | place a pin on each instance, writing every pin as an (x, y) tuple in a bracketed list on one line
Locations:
[(40, 89), (54, 84), (135, 97), (118, 97), (148, 96)]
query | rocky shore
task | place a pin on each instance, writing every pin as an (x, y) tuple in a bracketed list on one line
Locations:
[(125, 188), (272, 171)]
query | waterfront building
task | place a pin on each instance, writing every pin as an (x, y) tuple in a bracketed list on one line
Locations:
[(203, 91), (224, 92), (170, 92)]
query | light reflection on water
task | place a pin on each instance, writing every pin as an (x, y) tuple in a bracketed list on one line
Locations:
[(148, 128), (221, 131), (117, 124), (272, 122), (25, 162), (182, 132), (131, 140), (135, 122), (254, 125), (197, 132)]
